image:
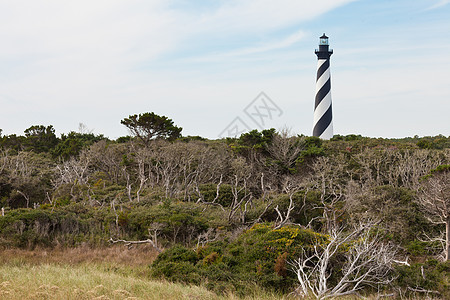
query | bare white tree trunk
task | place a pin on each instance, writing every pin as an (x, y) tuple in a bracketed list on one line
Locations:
[(27, 198), (152, 240), (447, 234), (435, 201), (368, 262)]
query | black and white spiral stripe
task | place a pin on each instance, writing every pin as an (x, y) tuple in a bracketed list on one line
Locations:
[(323, 126)]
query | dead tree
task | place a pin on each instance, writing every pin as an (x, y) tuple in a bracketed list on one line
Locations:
[(285, 148), (291, 187), (73, 172), (435, 201), (152, 241), (4, 160), (26, 172), (206, 237), (130, 244), (265, 191), (201, 198), (327, 179), (284, 217), (242, 197), (368, 262)]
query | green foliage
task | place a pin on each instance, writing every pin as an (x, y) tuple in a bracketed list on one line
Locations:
[(313, 147), (436, 142), (424, 144), (26, 178), (256, 139), (253, 140), (72, 143), (306, 207), (147, 126), (441, 169), (209, 193), (49, 226), (190, 138), (258, 257), (177, 254), (12, 142), (431, 275), (266, 243), (417, 248), (397, 211), (176, 221), (349, 137), (124, 139), (40, 138)]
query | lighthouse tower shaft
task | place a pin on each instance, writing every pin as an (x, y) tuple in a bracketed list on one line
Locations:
[(323, 117)]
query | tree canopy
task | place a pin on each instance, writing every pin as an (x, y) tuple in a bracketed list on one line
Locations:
[(40, 138), (148, 126)]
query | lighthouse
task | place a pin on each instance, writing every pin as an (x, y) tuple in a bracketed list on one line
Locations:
[(323, 125)]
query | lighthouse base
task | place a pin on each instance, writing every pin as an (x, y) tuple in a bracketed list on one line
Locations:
[(328, 133)]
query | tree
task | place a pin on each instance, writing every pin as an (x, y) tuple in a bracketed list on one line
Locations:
[(256, 139), (148, 126), (72, 143), (366, 262), (435, 200), (285, 149), (40, 138), (26, 177), (12, 142)]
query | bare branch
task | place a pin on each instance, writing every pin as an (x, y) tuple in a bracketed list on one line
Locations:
[(130, 244), (368, 263)]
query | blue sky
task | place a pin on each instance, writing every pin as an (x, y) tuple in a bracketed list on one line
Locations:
[(202, 63)]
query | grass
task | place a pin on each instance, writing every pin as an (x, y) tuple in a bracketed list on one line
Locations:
[(83, 273), (118, 254), (86, 281)]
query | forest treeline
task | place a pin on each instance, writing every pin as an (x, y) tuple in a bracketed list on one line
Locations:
[(293, 214)]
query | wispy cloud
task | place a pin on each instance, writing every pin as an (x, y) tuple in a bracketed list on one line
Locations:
[(138, 55), (440, 3), (270, 45), (263, 15), (123, 31), (243, 53)]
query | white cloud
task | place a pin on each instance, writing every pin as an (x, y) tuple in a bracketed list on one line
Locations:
[(271, 45), (136, 28), (440, 3), (90, 27), (248, 53), (65, 62), (262, 15)]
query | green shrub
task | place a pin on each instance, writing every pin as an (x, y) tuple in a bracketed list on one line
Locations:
[(432, 276), (209, 192), (178, 272), (417, 247), (69, 225), (178, 222), (308, 203), (258, 257), (177, 254)]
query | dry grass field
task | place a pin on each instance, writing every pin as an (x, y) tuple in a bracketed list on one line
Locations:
[(83, 273)]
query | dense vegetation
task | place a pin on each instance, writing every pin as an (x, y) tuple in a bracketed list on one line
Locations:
[(260, 210)]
